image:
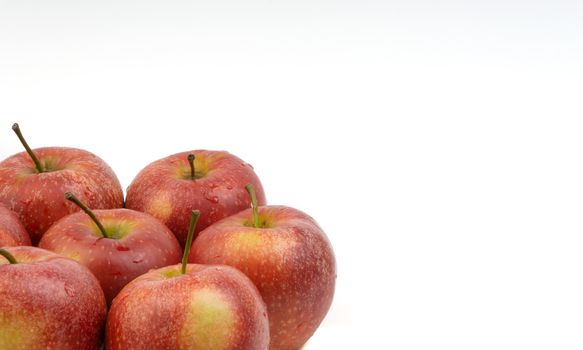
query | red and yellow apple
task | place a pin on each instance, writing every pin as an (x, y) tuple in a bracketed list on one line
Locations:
[(287, 256), (32, 184), (48, 302), (209, 181), (117, 245), (188, 307)]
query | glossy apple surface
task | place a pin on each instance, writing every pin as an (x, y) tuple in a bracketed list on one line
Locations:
[(135, 243), (48, 302), (37, 198), (166, 189), (12, 232), (208, 307), (290, 260)]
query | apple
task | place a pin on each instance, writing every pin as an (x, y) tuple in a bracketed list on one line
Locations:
[(12, 232), (117, 245), (288, 257), (209, 181), (32, 184), (48, 302), (188, 306)]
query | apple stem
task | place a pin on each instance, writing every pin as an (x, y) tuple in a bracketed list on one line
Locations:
[(71, 197), (251, 190), (191, 162), (8, 256), (37, 164), (189, 238)]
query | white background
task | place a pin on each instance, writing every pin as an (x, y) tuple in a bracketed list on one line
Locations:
[(438, 143)]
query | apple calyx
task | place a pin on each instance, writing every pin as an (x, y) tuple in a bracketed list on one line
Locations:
[(191, 162), (37, 164), (251, 190), (189, 239), (8, 256), (71, 197)]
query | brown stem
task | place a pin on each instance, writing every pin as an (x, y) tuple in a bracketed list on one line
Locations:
[(35, 160), (191, 162), (74, 199)]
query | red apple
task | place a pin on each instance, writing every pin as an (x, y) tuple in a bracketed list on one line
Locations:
[(12, 232), (32, 184), (210, 181), (48, 302), (288, 257), (188, 307), (117, 245)]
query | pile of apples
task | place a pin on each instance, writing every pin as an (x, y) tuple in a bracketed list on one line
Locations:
[(192, 259)]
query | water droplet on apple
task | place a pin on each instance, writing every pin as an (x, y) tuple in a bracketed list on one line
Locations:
[(229, 187), (138, 258), (122, 248), (209, 197)]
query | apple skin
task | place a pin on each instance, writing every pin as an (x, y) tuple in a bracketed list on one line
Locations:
[(209, 307), (37, 198), (49, 302), (165, 189), (290, 261), (12, 232), (146, 244)]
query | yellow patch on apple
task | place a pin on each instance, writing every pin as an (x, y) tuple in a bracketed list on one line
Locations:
[(246, 241), (209, 321), (20, 333), (72, 255), (160, 206)]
